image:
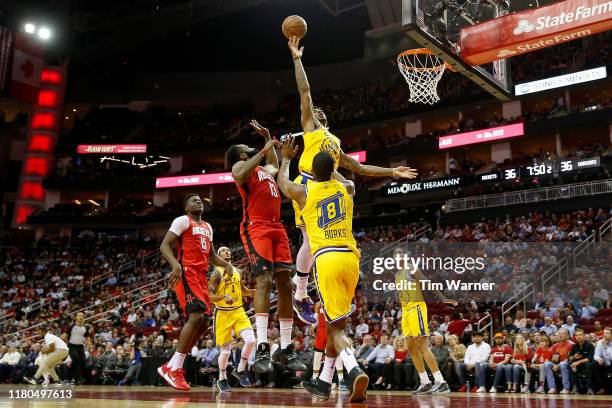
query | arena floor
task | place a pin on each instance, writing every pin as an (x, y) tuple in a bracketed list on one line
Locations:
[(136, 397)]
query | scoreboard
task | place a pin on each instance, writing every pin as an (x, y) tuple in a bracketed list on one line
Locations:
[(549, 168)]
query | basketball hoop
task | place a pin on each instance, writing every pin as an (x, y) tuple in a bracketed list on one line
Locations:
[(422, 69)]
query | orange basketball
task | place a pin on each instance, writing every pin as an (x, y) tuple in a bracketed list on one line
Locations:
[(294, 26)]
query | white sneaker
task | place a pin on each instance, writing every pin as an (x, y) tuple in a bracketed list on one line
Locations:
[(481, 389), (45, 383), (540, 390), (493, 390), (564, 392), (525, 389)]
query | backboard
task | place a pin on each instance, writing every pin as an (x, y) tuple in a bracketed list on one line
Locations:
[(436, 24)]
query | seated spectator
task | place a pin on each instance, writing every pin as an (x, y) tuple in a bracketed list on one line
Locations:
[(520, 321), (380, 360), (549, 328), (602, 366), (9, 363), (367, 346), (458, 325), (442, 355), (558, 363), (587, 310), (542, 354), (361, 329), (581, 362), (475, 360), (456, 352), (499, 360), (519, 365), (399, 366), (569, 325), (598, 331)]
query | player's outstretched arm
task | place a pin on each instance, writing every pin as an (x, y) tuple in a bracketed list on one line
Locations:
[(353, 165), (166, 249), (290, 189), (348, 184), (307, 118), (242, 170), (218, 261), (271, 159)]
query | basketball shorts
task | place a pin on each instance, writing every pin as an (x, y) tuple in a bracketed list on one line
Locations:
[(304, 178), (266, 245), (336, 274), (414, 320), (192, 291), (228, 323)]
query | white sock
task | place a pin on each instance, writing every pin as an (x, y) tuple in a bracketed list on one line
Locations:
[(438, 377), (316, 364), (176, 361), (424, 378), (223, 359), (348, 359), (286, 327), (301, 290), (249, 342), (261, 323), (340, 369), (329, 366)]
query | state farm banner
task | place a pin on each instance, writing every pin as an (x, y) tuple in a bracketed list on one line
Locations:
[(531, 30), (481, 136), (112, 149)]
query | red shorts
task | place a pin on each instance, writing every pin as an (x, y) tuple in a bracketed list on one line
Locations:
[(192, 291), (321, 333), (266, 245)]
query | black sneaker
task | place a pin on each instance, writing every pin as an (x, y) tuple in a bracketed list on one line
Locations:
[(358, 384), (319, 388), (440, 388), (243, 378), (423, 389), (223, 386), (263, 364), (289, 359)]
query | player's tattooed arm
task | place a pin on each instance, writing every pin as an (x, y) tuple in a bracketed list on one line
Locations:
[(271, 159), (420, 277), (166, 249), (307, 118), (242, 170), (213, 284), (290, 189), (353, 165)]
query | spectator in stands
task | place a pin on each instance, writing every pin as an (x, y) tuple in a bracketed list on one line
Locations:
[(208, 361), (442, 355), (456, 352), (509, 325), (135, 365), (475, 360), (519, 365), (598, 331), (500, 356), (399, 366), (9, 363), (444, 325), (581, 362), (520, 321), (600, 295), (587, 310), (542, 354), (361, 329), (558, 363), (602, 365), (367, 346), (379, 360), (569, 325), (549, 328), (457, 325)]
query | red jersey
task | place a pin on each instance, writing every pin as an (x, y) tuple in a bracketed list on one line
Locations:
[(543, 355), (499, 353), (194, 241), (562, 349), (261, 198)]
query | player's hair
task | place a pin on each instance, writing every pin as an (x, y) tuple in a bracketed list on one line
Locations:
[(231, 156), (188, 197), (323, 166)]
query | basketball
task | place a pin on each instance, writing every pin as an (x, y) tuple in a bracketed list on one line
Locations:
[(294, 26)]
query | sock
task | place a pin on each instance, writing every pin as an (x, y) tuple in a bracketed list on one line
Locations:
[(340, 370), (348, 359), (286, 327), (424, 378), (329, 366), (223, 359), (438, 377), (316, 364), (176, 361), (249, 342), (261, 323), (301, 283)]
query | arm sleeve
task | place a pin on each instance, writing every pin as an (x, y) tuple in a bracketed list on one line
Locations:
[(372, 355), (598, 350), (180, 225)]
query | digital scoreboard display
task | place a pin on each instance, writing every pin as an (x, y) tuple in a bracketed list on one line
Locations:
[(542, 169)]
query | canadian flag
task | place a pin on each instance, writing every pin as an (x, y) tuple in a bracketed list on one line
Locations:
[(28, 62)]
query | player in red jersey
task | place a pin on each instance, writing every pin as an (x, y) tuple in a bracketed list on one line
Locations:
[(194, 237), (267, 246)]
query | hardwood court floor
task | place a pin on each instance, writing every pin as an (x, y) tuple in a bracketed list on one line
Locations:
[(164, 397)]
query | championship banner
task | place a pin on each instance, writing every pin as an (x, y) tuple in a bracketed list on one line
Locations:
[(531, 30), (112, 149)]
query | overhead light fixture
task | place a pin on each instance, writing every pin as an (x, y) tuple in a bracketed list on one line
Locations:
[(29, 28), (44, 33), (93, 202)]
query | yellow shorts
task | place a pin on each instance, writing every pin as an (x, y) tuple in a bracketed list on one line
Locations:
[(414, 320), (303, 178), (336, 274), (229, 323)]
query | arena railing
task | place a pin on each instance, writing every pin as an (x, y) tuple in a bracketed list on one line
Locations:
[(520, 297), (555, 271), (565, 191), (486, 323), (120, 269), (604, 229), (418, 233)]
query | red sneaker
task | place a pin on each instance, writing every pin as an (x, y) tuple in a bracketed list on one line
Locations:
[(175, 379), (463, 388), (474, 388)]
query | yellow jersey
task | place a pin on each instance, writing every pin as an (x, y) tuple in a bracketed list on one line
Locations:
[(328, 216), (229, 286), (316, 141), (411, 295)]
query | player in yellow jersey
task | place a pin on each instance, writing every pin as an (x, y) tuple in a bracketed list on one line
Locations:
[(326, 207), (415, 328), (226, 291), (317, 137)]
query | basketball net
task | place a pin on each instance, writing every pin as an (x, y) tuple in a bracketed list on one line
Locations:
[(422, 70)]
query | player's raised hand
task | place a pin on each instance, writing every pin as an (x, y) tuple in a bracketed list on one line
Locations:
[(260, 130), (289, 149), (175, 276), (404, 172), (294, 47), (270, 144), (228, 299)]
